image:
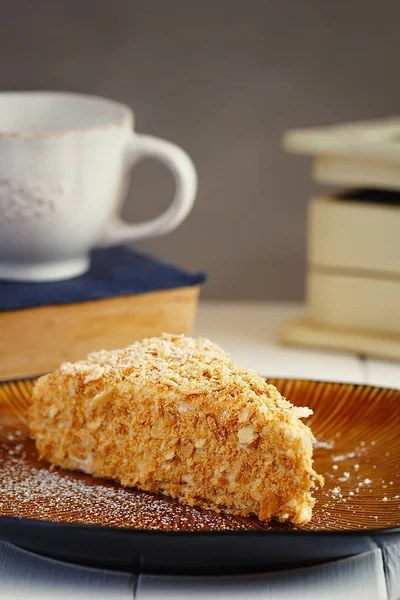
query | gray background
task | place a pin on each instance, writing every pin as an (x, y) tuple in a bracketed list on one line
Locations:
[(224, 79)]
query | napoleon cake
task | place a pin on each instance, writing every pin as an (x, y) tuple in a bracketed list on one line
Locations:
[(174, 415)]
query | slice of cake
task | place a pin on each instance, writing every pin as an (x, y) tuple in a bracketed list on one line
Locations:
[(175, 415)]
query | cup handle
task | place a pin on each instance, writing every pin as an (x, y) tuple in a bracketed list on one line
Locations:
[(184, 172)]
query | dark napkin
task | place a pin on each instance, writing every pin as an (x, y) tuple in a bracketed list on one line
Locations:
[(114, 272)]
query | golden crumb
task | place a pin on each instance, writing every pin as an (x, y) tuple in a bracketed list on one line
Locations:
[(175, 415)]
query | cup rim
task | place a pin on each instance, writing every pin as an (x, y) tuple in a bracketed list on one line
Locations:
[(124, 115)]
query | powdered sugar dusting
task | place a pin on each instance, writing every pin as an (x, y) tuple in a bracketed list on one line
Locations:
[(29, 489), (322, 444), (352, 497)]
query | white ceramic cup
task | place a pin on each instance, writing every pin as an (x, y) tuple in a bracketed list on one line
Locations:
[(65, 161)]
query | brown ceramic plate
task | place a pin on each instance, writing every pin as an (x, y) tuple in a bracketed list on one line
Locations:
[(75, 517)]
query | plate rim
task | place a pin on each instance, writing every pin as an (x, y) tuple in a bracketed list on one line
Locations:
[(213, 533)]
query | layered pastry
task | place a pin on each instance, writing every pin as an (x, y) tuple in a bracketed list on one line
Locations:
[(175, 415)]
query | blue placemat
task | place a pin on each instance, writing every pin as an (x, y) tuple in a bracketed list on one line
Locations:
[(114, 272)]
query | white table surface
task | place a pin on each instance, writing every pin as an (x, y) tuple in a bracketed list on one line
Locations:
[(246, 330)]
